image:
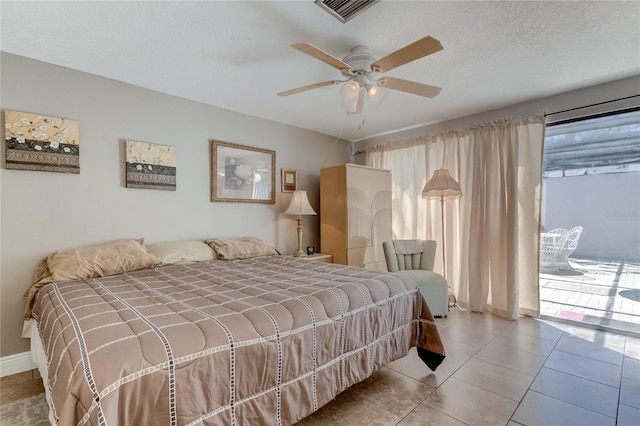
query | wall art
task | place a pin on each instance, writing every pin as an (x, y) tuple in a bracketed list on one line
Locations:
[(242, 173), (42, 143), (289, 180), (150, 166)]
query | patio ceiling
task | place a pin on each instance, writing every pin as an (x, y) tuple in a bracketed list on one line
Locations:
[(605, 144)]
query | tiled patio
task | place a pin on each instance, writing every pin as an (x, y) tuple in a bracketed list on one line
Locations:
[(599, 293)]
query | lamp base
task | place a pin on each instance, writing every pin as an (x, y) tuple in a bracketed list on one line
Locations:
[(299, 252)]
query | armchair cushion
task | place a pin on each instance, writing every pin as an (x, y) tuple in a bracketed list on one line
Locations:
[(434, 289)]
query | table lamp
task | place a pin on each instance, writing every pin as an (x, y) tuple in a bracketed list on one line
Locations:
[(299, 206)]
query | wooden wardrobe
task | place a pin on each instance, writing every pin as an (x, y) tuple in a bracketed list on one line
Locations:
[(355, 214)]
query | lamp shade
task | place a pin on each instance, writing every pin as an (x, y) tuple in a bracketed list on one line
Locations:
[(442, 185), (299, 204), (349, 92)]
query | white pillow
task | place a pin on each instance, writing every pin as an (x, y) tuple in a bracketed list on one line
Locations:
[(181, 252)]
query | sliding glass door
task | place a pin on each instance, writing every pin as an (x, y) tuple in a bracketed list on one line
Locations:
[(591, 275)]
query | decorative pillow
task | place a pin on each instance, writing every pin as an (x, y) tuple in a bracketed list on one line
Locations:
[(241, 248), (181, 252), (99, 261)]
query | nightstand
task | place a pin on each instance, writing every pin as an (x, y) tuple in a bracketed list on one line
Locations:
[(318, 257)]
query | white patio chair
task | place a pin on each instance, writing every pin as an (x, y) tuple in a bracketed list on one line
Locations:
[(550, 244), (569, 245)]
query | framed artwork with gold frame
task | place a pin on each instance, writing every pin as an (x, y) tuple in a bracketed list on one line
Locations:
[(242, 174)]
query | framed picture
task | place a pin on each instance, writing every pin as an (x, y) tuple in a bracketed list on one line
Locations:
[(150, 166), (242, 174), (41, 142), (289, 180)]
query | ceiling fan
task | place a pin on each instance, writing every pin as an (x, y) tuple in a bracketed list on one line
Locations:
[(363, 71)]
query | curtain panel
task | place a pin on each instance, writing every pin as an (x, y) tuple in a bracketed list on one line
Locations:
[(491, 232)]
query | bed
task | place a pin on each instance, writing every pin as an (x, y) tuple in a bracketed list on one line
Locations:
[(261, 339)]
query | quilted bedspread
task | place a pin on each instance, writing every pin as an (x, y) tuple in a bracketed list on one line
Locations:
[(260, 341)]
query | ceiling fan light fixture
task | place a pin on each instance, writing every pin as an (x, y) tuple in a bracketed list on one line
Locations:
[(349, 92), (372, 89), (360, 70)]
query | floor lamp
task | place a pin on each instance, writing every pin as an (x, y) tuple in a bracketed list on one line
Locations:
[(299, 206), (443, 186)]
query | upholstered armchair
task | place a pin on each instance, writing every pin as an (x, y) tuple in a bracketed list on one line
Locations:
[(414, 259)]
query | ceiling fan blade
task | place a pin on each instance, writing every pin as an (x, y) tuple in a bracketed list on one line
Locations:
[(410, 87), (322, 55), (309, 87), (419, 49)]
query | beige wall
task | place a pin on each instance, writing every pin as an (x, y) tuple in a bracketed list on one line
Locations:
[(41, 212)]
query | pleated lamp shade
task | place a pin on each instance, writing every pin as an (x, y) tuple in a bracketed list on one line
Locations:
[(442, 185)]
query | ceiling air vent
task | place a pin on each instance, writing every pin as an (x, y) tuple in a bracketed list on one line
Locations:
[(344, 10)]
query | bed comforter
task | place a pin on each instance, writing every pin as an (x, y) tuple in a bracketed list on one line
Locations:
[(266, 340)]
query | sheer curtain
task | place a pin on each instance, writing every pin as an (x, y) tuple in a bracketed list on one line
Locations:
[(492, 231)]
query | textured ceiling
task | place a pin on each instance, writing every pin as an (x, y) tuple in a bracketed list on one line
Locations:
[(236, 54)]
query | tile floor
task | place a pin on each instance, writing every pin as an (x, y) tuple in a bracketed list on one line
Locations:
[(498, 372)]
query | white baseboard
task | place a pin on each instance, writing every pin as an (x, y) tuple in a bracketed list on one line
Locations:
[(14, 364)]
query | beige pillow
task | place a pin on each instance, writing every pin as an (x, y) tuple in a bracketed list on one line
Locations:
[(241, 248), (99, 261), (181, 252)]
